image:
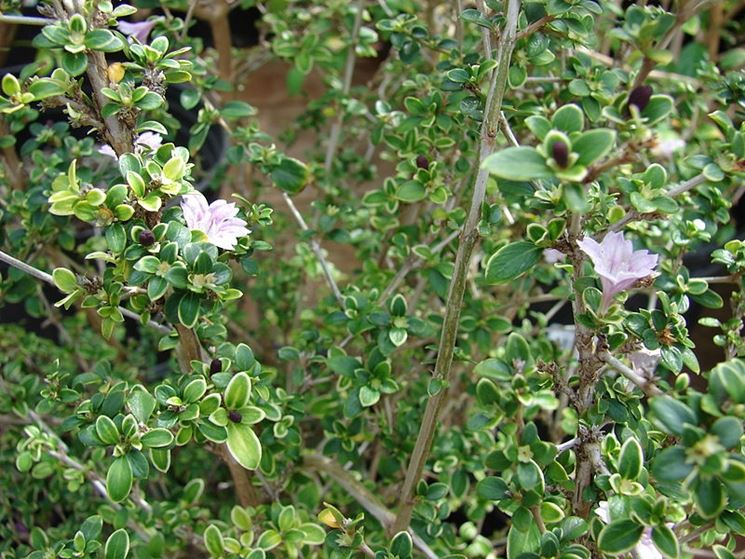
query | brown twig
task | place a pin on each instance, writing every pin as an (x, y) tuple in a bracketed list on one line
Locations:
[(468, 238)]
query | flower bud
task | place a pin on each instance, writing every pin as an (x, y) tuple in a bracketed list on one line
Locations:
[(146, 238), (234, 416), (422, 162), (560, 153), (215, 366), (640, 95)]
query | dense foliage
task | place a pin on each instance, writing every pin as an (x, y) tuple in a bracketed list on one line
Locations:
[(459, 324)]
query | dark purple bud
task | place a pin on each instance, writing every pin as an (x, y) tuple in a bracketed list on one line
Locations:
[(234, 416), (560, 153), (639, 96), (146, 238), (215, 366), (422, 162)]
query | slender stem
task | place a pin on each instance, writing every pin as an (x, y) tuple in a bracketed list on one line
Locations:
[(696, 533), (43, 276), (734, 278), (364, 548), (677, 190), (571, 443), (646, 385), (117, 135), (538, 519), (335, 133), (16, 173), (686, 186), (187, 18), (244, 489), (26, 20), (485, 33), (220, 30), (316, 248), (30, 270), (468, 238), (535, 26)]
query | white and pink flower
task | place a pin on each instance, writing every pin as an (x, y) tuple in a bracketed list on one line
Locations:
[(617, 263), (217, 220), (138, 30)]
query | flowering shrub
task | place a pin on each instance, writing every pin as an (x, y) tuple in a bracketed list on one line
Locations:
[(459, 324)]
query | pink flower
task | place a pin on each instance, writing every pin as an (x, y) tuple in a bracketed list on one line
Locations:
[(645, 361), (146, 139), (149, 139), (552, 256), (139, 30), (617, 263), (217, 220), (106, 149)]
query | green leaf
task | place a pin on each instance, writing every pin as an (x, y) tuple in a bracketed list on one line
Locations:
[(237, 109), (729, 430), (174, 169), (672, 414), (102, 40), (238, 392), (106, 430), (269, 540), (119, 479), (156, 288), (65, 280), (136, 183), (709, 496), (517, 164), (511, 261), (619, 536), (141, 404), (523, 542), (244, 358), (670, 465), (290, 175), (664, 539), (530, 476), (117, 545), (343, 364), (492, 488), (458, 75), (74, 63), (45, 88), (369, 396), (188, 309), (659, 107), (314, 534), (593, 144), (157, 438), (151, 203), (213, 541), (631, 460), (402, 545), (569, 118), (150, 101), (244, 445), (10, 85), (116, 238), (411, 191)]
